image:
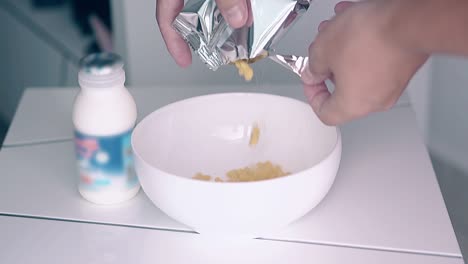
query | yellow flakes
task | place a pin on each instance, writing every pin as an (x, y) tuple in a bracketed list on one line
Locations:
[(255, 135), (201, 176), (244, 69), (260, 171), (243, 66), (218, 179)]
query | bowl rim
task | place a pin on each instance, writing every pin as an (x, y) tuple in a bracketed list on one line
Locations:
[(223, 94)]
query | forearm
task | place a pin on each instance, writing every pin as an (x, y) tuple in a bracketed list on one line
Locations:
[(430, 26)]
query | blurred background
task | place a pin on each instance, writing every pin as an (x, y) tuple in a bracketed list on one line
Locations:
[(43, 40)]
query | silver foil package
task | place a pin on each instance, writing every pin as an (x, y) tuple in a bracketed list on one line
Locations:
[(291, 62), (203, 27)]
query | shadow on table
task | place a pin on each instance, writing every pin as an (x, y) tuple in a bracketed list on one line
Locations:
[(453, 184), (3, 131)]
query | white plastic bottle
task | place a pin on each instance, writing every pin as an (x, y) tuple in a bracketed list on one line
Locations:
[(104, 116)]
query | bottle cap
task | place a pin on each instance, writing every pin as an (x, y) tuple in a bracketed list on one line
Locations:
[(101, 63), (101, 70)]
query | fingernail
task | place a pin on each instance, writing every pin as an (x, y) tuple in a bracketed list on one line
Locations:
[(234, 16), (307, 77), (310, 78)]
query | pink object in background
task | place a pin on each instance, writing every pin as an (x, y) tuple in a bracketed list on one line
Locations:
[(102, 34)]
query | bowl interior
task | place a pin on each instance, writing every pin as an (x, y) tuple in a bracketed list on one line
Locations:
[(210, 134)]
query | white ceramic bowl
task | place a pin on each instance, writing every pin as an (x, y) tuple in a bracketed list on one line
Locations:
[(210, 134)]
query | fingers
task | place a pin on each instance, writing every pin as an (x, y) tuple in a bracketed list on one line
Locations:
[(317, 69), (334, 108), (322, 102), (339, 8), (249, 15), (166, 12), (322, 25), (342, 6), (236, 12)]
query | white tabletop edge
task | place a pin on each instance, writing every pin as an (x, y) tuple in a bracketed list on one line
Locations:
[(86, 237), (181, 230)]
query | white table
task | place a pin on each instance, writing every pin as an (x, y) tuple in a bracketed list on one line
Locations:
[(385, 200)]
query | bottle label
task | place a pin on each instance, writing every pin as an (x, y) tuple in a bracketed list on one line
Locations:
[(105, 162)]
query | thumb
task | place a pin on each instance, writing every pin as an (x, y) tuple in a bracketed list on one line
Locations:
[(234, 11), (323, 103)]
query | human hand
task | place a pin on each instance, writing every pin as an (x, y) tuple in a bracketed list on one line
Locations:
[(368, 67), (236, 12)]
